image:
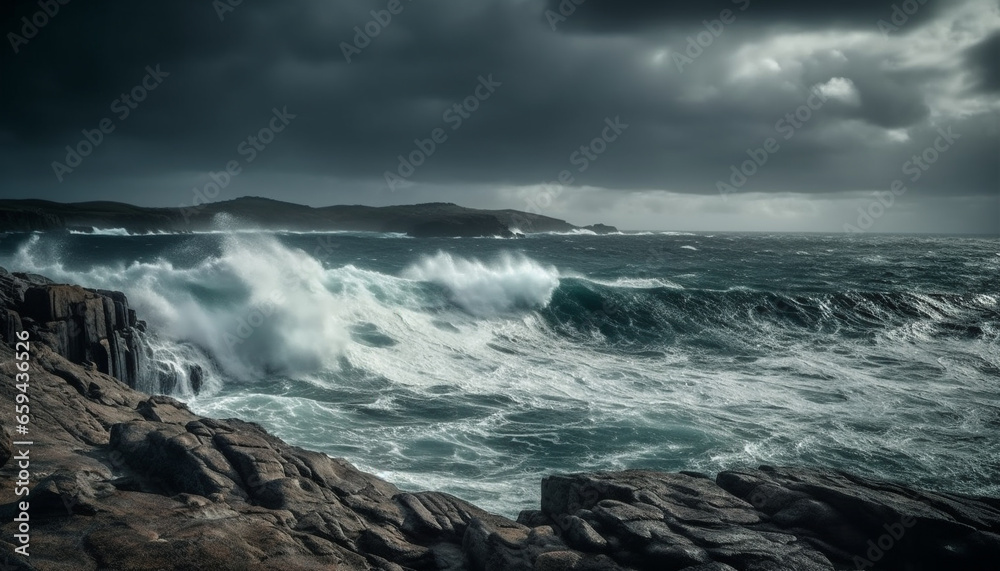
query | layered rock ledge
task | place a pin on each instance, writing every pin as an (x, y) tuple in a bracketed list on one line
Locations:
[(122, 480)]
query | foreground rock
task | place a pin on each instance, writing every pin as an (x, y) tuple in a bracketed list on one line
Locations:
[(121, 480)]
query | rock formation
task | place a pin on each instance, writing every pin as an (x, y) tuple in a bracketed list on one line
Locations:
[(122, 480), (85, 326)]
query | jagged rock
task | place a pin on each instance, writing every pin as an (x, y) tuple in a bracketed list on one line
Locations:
[(197, 377), (857, 521), (668, 521), (84, 326), (66, 493), (601, 229)]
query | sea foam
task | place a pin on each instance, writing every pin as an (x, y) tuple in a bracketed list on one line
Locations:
[(503, 285)]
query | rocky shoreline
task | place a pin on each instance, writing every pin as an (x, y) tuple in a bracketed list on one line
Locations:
[(122, 480)]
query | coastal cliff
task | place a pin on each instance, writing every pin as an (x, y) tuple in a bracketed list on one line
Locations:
[(124, 480)]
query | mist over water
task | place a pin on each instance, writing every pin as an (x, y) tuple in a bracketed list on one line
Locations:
[(476, 367)]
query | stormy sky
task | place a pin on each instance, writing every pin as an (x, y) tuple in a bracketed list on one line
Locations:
[(763, 115)]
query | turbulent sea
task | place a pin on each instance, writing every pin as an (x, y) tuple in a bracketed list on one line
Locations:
[(476, 366)]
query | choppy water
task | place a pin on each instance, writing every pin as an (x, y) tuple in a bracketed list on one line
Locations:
[(477, 366)]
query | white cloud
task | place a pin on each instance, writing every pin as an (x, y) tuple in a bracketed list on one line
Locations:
[(842, 89), (934, 50), (898, 135)]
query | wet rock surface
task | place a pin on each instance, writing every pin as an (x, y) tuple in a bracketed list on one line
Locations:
[(122, 480)]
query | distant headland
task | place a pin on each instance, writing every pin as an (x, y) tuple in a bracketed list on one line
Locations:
[(420, 220)]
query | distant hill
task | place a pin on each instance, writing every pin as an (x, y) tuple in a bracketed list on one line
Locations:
[(419, 220)]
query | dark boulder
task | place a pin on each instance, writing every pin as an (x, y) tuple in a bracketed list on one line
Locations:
[(601, 229)]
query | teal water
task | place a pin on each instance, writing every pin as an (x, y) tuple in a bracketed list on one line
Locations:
[(476, 366)]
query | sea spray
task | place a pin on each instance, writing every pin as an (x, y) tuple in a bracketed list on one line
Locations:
[(260, 308), (507, 284)]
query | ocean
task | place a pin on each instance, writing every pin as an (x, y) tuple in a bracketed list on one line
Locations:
[(477, 366)]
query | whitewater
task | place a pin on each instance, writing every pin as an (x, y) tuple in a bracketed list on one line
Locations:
[(475, 367)]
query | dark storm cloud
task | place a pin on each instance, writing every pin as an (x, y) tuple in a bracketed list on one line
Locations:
[(616, 15), (686, 126), (985, 60)]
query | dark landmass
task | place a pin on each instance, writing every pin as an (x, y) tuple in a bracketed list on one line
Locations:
[(122, 480), (421, 220)]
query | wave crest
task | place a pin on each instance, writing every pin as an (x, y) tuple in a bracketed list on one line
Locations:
[(483, 289)]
